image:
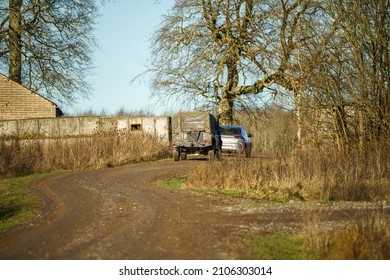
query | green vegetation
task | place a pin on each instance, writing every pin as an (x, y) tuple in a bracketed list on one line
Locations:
[(278, 247), (17, 203), (174, 183)]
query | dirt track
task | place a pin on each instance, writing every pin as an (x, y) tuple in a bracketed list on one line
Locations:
[(120, 213)]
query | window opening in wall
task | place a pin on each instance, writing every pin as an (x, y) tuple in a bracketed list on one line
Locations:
[(135, 127)]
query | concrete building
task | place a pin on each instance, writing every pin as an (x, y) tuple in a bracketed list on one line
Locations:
[(18, 102)]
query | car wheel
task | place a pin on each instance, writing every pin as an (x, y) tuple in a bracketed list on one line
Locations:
[(176, 155), (183, 156), (215, 154), (218, 154)]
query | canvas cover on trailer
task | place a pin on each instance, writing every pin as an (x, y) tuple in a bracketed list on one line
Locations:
[(194, 121)]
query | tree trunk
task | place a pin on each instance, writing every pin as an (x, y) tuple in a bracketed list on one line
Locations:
[(227, 100), (226, 109), (15, 40)]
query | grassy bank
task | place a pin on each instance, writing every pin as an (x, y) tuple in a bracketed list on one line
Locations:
[(17, 203)]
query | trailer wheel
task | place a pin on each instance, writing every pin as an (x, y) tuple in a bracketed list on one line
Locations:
[(210, 155), (176, 155)]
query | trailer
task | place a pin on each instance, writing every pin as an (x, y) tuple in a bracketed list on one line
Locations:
[(195, 133)]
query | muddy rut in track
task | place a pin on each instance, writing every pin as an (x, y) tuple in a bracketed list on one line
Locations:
[(121, 213)]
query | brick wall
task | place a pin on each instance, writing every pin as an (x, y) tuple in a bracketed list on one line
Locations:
[(18, 102)]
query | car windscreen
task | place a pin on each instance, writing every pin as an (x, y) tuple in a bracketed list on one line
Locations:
[(230, 131)]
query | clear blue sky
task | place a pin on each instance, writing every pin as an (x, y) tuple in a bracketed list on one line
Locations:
[(123, 34)]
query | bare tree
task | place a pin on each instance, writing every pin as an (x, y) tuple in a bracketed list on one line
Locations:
[(350, 71), (15, 40), (225, 50), (47, 45)]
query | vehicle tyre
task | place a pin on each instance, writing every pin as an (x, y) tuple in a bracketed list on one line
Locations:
[(183, 156), (210, 155), (215, 154), (241, 154), (176, 155)]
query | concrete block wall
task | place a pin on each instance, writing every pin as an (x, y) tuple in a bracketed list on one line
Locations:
[(72, 127), (18, 102)]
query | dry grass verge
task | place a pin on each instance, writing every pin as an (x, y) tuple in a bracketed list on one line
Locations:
[(365, 236), (315, 174), (362, 238), (19, 158)]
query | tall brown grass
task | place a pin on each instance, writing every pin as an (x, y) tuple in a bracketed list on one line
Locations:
[(310, 174), (274, 130), (23, 157), (364, 237)]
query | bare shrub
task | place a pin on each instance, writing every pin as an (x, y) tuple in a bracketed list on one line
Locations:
[(26, 157)]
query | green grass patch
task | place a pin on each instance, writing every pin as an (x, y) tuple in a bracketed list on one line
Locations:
[(174, 183), (278, 247), (17, 203)]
